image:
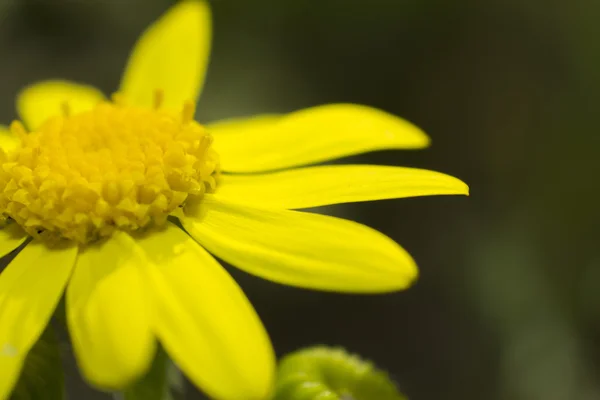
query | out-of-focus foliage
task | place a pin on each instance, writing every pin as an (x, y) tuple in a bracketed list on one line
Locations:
[(161, 382), (42, 376)]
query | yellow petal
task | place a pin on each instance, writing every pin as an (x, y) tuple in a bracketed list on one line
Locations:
[(108, 313), (204, 320), (302, 249), (319, 186), (313, 135), (30, 288), (250, 126), (172, 56), (11, 237), (8, 140), (43, 100)]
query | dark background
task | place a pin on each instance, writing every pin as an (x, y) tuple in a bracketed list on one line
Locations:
[(508, 303)]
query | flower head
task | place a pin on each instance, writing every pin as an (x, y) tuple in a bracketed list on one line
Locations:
[(113, 167), (98, 189)]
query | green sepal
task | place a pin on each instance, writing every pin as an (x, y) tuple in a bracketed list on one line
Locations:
[(42, 375), (332, 374)]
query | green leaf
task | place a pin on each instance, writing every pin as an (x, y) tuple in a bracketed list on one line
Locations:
[(162, 382), (332, 374), (42, 376)]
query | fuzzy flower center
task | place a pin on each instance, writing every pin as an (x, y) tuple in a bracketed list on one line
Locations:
[(80, 177)]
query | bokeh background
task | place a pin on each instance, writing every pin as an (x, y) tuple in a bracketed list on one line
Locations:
[(508, 303)]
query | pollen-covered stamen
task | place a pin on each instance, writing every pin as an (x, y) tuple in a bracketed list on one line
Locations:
[(82, 176)]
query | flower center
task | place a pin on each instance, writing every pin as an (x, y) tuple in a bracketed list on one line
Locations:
[(80, 177)]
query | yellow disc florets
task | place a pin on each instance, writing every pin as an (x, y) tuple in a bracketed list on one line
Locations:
[(80, 177)]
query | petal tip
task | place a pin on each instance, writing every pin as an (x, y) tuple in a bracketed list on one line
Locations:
[(403, 274), (456, 186), (41, 100), (467, 190), (191, 12), (117, 377), (197, 9), (51, 85), (425, 139), (409, 276), (421, 140), (462, 188)]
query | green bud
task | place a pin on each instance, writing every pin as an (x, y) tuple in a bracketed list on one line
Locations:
[(322, 373)]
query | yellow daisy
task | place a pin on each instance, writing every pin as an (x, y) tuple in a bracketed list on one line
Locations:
[(121, 203)]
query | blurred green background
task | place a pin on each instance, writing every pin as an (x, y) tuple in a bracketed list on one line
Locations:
[(508, 303)]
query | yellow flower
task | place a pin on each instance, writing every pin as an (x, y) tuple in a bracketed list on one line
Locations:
[(99, 190)]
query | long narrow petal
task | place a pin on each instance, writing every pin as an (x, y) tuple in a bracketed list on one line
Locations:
[(8, 140), (312, 135), (108, 313), (204, 321), (30, 288), (249, 125), (319, 186), (43, 100), (302, 249), (11, 237), (172, 56)]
